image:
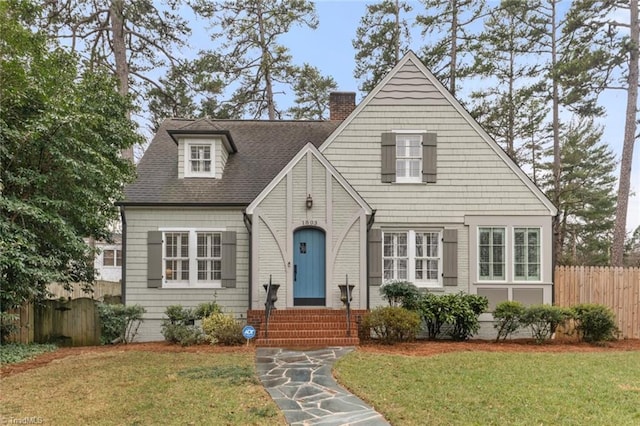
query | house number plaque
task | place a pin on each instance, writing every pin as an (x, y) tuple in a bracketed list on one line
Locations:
[(310, 222)]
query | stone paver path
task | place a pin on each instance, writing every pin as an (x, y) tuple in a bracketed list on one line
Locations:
[(300, 382)]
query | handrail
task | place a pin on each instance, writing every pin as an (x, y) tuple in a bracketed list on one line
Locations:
[(348, 308), (268, 305)]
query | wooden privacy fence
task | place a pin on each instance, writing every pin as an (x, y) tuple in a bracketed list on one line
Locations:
[(64, 322), (100, 290), (617, 288)]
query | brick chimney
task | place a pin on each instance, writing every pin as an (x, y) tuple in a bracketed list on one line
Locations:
[(341, 104)]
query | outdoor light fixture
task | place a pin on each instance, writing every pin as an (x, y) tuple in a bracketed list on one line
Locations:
[(309, 201)]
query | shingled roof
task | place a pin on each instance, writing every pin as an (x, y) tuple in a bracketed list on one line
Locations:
[(263, 149)]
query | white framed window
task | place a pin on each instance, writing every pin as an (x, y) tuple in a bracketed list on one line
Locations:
[(209, 257), (408, 158), (112, 257), (491, 253), (395, 256), (192, 258), (199, 159), (526, 254), (413, 255)]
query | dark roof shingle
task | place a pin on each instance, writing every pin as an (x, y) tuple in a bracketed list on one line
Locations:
[(264, 148)]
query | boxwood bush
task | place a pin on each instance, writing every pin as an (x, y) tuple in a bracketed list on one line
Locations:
[(391, 324), (508, 318), (543, 320), (594, 323), (401, 293)]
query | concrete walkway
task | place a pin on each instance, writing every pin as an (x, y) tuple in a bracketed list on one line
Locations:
[(300, 382)]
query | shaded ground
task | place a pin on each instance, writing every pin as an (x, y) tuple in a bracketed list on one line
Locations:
[(421, 348)]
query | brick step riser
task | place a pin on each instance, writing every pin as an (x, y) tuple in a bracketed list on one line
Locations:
[(294, 334), (314, 342), (333, 325)]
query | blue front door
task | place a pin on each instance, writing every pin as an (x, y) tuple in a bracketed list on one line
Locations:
[(308, 267)]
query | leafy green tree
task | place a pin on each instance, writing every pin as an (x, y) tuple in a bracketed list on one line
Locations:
[(61, 134), (451, 28), (381, 38), (312, 94), (255, 61), (587, 196)]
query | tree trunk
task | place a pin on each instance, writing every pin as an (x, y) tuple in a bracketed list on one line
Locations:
[(116, 11), (454, 47), (619, 232), (557, 166), (266, 66)]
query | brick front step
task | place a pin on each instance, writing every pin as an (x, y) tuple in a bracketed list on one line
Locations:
[(308, 343), (315, 327)]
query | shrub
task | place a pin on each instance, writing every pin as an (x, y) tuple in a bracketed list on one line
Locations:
[(544, 320), (401, 293), (435, 312), (8, 326), (595, 323), (184, 334), (465, 310), (179, 327), (203, 310), (119, 323), (508, 316), (223, 329), (392, 324)]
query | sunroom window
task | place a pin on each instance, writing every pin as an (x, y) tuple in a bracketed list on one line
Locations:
[(526, 260), (492, 253)]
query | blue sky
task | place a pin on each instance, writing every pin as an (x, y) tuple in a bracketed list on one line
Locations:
[(329, 48)]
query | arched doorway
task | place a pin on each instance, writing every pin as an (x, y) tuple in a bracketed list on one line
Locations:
[(309, 267)]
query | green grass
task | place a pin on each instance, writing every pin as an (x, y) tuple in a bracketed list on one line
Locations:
[(141, 388), (481, 388), (16, 352)]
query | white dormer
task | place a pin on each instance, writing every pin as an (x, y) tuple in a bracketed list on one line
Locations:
[(203, 149)]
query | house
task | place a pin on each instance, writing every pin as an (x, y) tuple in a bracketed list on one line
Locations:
[(404, 186)]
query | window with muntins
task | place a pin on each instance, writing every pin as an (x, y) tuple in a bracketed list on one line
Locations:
[(112, 257), (176, 259), (414, 256), (199, 159), (526, 254), (408, 158), (491, 249), (209, 256)]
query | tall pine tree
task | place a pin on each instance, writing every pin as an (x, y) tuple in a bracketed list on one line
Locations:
[(381, 39), (586, 205)]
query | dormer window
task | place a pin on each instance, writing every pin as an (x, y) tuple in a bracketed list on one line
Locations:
[(199, 159)]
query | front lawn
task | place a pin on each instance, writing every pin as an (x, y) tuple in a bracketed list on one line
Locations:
[(498, 388), (141, 388)]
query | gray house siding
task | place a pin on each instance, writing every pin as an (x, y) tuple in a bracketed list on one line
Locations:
[(470, 177), (142, 220), (282, 210)]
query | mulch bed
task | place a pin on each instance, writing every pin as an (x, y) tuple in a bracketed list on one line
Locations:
[(420, 348)]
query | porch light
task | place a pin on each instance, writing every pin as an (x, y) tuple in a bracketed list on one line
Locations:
[(309, 201)]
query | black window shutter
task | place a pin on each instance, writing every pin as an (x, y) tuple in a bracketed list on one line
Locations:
[(228, 241), (388, 167), (374, 257), (154, 259), (429, 157), (450, 257)]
